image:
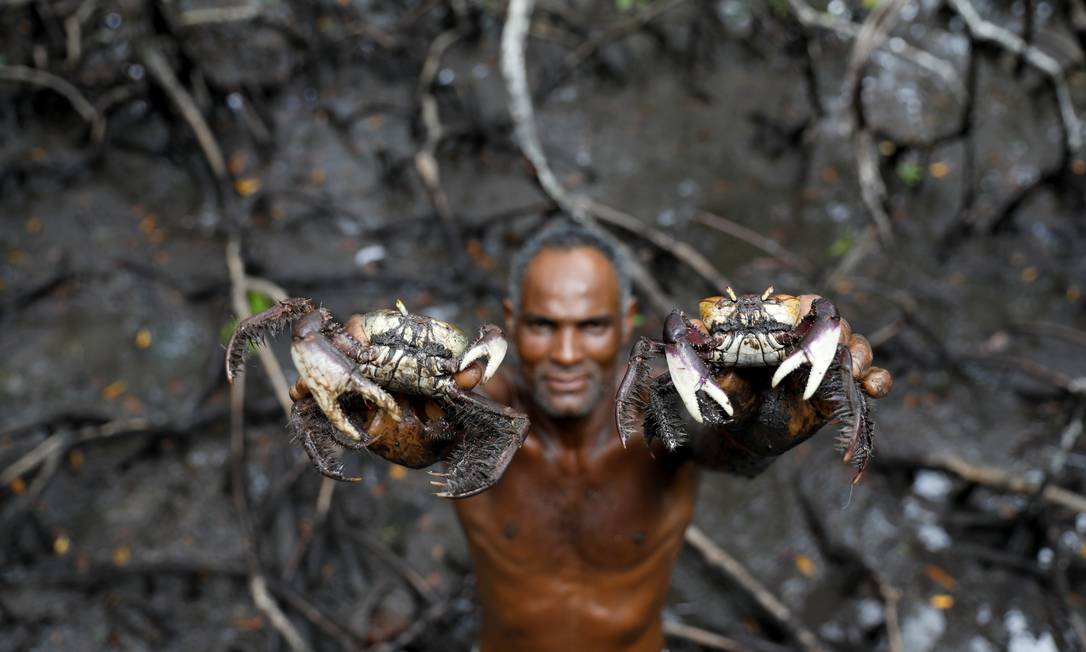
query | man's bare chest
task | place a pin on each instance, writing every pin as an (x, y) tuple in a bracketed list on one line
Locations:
[(612, 511)]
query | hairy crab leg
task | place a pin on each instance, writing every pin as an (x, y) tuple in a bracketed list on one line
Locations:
[(818, 347), (851, 412), (688, 372), (490, 345), (631, 399), (478, 460), (309, 425), (254, 330)]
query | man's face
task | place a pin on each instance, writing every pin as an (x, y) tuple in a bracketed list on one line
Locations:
[(570, 329)]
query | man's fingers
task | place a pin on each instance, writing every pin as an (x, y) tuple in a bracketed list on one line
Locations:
[(877, 382), (298, 390), (860, 349), (846, 332), (354, 328), (805, 301), (470, 376)]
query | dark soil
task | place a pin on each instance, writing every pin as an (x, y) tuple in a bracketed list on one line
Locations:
[(121, 530)]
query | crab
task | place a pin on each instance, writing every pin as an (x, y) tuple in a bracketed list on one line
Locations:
[(747, 330), (400, 352)]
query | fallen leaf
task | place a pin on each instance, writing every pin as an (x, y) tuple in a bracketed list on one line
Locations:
[(113, 390), (122, 555), (941, 577), (804, 565)]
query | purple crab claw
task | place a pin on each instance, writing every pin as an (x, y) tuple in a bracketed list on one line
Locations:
[(818, 347), (688, 373), (490, 345)]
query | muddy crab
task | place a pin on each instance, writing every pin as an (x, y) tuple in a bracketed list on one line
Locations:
[(747, 330), (399, 352)]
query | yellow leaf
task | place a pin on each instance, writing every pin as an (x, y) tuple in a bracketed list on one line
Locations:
[(942, 601), (122, 555), (247, 186), (804, 565), (397, 472), (61, 545), (237, 163), (143, 338), (148, 224), (941, 577), (938, 170), (113, 390), (17, 486)]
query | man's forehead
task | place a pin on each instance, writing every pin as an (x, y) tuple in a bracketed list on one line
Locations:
[(573, 283)]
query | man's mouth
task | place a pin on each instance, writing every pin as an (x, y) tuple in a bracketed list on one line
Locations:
[(566, 384)]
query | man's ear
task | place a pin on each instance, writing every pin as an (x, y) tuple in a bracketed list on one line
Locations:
[(507, 309), (628, 318)]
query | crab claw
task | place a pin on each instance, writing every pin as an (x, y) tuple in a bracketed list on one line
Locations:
[(490, 345), (818, 347), (688, 373)]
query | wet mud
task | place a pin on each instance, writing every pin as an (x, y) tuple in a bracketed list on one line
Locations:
[(119, 526)]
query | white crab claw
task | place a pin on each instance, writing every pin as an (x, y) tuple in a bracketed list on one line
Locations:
[(491, 348), (688, 376), (714, 392), (823, 351), (819, 351)]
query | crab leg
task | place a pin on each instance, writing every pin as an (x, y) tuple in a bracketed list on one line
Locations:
[(494, 433), (632, 396), (688, 372), (252, 331), (490, 345), (316, 435), (818, 347)]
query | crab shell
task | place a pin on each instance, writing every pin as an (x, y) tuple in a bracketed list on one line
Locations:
[(412, 353), (750, 327)]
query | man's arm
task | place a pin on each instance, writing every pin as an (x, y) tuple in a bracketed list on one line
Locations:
[(769, 421)]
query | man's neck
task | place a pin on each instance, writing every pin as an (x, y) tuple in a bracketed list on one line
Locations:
[(575, 432)]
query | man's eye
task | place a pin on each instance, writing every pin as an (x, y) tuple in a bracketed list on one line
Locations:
[(539, 325), (595, 327)]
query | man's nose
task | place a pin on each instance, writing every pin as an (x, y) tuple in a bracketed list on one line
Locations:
[(567, 347)]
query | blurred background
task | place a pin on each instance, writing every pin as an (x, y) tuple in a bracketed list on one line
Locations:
[(163, 162)]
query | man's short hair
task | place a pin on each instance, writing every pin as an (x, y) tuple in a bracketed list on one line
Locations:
[(566, 234)]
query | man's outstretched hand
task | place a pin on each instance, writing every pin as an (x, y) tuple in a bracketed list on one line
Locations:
[(769, 421)]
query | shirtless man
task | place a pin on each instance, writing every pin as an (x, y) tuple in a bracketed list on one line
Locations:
[(573, 548)]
